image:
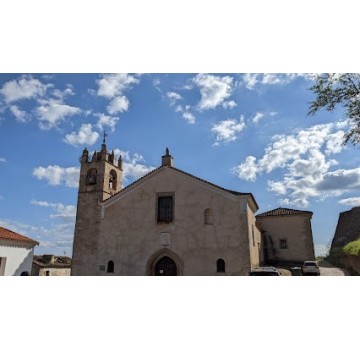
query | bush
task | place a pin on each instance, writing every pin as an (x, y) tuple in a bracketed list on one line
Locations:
[(352, 248)]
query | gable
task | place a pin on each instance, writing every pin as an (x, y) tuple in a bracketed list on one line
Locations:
[(284, 212), (167, 179)]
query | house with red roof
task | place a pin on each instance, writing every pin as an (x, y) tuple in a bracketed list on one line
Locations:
[(16, 253)]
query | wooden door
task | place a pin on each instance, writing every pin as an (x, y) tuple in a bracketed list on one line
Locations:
[(165, 267)]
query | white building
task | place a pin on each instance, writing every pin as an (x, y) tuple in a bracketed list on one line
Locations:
[(16, 253)]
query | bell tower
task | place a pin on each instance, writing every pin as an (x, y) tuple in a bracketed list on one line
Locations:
[(100, 178), (101, 174)]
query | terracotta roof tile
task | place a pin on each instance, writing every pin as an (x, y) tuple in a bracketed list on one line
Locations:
[(13, 236), (52, 261), (284, 211)]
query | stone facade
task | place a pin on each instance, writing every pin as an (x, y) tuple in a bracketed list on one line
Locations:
[(347, 229), (50, 265), (209, 231), (287, 235)]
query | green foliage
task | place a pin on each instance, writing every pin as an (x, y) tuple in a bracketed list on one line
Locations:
[(336, 252), (352, 248), (331, 90)]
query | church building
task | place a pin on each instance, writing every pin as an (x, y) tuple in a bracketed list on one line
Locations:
[(168, 222)]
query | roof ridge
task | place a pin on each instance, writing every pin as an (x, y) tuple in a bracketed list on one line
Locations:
[(284, 211), (236, 193), (7, 234)]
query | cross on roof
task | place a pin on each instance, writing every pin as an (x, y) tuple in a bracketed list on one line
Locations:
[(104, 137)]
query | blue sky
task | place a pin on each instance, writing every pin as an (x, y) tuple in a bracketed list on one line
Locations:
[(245, 132), (161, 36)]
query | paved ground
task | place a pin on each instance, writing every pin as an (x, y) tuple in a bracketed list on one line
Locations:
[(326, 269)]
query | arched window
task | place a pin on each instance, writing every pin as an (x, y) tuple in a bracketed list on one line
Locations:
[(91, 177), (110, 267), (112, 180), (208, 216), (220, 265)]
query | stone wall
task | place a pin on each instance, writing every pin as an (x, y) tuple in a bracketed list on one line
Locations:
[(296, 230), (351, 262), (347, 229), (131, 237)]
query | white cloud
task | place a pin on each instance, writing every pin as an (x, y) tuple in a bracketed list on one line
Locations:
[(340, 180), (335, 142), (107, 121), (111, 85), (24, 88), (303, 156), (247, 170), (173, 97), (156, 82), (251, 80), (229, 104), (297, 202), (270, 79), (189, 117), (2, 160), (118, 104), (277, 187), (213, 89), (353, 201), (56, 240), (51, 112), (64, 212), (56, 175), (85, 136), (60, 95), (132, 167), (258, 116), (290, 147), (228, 130), (21, 116)]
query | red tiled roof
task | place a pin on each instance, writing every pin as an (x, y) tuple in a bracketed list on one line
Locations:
[(13, 236), (284, 211), (52, 261)]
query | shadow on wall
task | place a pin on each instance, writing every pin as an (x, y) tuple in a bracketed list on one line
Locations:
[(23, 270)]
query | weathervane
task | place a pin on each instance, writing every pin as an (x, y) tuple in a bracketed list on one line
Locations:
[(104, 137)]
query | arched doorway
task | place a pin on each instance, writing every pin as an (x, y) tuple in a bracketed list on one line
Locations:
[(165, 267), (164, 260)]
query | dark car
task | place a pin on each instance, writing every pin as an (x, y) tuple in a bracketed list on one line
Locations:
[(264, 271)]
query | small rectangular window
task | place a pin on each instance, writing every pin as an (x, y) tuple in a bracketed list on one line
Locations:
[(283, 244), (165, 209)]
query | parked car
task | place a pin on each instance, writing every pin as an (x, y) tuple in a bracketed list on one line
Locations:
[(310, 268), (264, 271)]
